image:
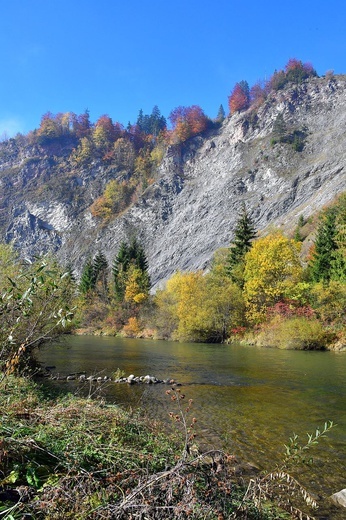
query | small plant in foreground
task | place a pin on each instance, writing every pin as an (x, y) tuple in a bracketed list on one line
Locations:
[(281, 487)]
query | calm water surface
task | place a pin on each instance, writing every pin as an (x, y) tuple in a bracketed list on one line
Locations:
[(247, 400)]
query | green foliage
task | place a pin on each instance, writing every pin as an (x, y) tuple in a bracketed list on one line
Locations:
[(151, 124), (34, 308), (87, 281), (221, 114), (297, 333), (281, 134), (295, 453), (244, 234), (282, 487), (325, 247)]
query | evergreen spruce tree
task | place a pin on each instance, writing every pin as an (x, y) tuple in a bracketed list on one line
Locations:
[(221, 114), (244, 233), (100, 268), (87, 281), (120, 266), (325, 247)]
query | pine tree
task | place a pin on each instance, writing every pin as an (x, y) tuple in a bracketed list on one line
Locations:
[(325, 247), (100, 267), (244, 233), (120, 266), (87, 281), (221, 114)]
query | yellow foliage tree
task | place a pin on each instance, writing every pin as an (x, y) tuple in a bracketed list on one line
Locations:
[(272, 270), (136, 290), (199, 307), (115, 198)]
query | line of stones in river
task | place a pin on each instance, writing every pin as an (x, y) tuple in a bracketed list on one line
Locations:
[(131, 379)]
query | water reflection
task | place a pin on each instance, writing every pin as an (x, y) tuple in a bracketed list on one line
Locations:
[(247, 400)]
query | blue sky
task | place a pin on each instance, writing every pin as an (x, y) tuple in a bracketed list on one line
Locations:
[(115, 58)]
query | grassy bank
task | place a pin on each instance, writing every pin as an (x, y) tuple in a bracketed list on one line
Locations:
[(66, 457)]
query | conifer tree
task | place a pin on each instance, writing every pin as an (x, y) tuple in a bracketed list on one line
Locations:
[(325, 246), (244, 233), (87, 281), (221, 114), (100, 267)]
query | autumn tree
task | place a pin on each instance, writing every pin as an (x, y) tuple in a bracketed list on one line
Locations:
[(295, 71), (115, 198), (272, 272), (257, 94), (130, 273), (239, 98), (81, 124), (187, 122), (198, 307)]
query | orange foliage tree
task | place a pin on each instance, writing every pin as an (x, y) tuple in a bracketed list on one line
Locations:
[(239, 98), (187, 122)]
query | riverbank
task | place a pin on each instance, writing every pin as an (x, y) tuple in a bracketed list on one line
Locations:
[(248, 339), (63, 457)]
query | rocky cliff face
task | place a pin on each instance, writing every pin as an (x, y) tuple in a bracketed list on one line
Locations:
[(192, 208)]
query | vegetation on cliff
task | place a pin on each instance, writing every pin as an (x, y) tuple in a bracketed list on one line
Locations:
[(263, 289)]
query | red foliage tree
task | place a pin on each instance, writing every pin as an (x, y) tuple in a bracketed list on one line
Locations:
[(107, 124), (81, 124), (257, 94), (239, 98), (187, 122)]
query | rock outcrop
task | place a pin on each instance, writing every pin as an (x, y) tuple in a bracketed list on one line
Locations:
[(192, 207)]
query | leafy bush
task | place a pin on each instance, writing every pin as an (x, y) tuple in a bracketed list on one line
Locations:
[(298, 333)]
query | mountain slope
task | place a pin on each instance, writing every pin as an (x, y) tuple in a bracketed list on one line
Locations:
[(192, 207)]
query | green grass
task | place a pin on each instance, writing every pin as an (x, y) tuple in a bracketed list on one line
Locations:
[(66, 457)]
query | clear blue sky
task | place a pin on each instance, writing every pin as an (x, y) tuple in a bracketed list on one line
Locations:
[(116, 57)]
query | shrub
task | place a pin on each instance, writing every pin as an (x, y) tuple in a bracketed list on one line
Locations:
[(298, 333)]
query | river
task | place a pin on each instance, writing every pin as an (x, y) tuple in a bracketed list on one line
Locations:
[(247, 400)]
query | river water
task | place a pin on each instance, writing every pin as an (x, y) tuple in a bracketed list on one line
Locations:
[(247, 400)]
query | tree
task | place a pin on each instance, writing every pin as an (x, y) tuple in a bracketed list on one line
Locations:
[(100, 268), (279, 129), (221, 114), (187, 122), (239, 98), (198, 307), (81, 124), (35, 307), (87, 281), (258, 94), (130, 268), (272, 272), (244, 234), (324, 247)]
